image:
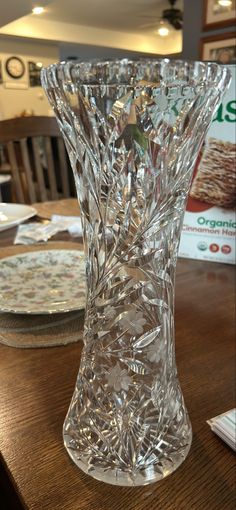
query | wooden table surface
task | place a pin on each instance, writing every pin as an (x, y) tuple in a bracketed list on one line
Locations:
[(36, 386)]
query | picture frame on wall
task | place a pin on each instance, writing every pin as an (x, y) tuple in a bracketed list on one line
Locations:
[(34, 69), (218, 13), (219, 48)]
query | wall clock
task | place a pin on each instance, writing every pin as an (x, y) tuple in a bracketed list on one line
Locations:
[(15, 67)]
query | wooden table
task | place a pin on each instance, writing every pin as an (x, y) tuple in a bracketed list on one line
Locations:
[(36, 386)]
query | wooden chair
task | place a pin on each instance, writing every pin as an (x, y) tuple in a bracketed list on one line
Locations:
[(37, 158)]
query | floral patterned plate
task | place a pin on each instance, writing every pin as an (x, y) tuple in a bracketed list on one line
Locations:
[(43, 282)]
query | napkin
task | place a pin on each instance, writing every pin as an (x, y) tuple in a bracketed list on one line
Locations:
[(74, 225), (224, 426), (71, 223), (31, 233)]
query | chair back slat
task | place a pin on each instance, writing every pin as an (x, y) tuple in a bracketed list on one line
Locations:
[(18, 188), (63, 168), (51, 169), (37, 159), (39, 171), (28, 170), (25, 127)]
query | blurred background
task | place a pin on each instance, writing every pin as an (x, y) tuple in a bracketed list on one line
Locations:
[(35, 34)]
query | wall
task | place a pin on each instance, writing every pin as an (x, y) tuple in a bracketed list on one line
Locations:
[(44, 29), (193, 33), (85, 51), (14, 101)]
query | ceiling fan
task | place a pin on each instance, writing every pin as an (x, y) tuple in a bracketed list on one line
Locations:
[(170, 15), (173, 16)]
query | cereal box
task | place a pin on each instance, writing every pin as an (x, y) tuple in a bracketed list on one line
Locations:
[(209, 227)]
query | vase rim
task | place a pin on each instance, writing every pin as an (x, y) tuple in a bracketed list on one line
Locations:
[(126, 71), (125, 60)]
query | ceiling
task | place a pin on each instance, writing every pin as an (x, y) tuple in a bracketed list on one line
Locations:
[(11, 10), (99, 22), (122, 15)]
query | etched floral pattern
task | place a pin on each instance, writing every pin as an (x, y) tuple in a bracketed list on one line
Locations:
[(133, 322), (118, 378), (110, 312), (133, 131), (155, 352)]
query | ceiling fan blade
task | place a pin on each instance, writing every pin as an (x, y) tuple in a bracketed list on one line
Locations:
[(171, 15), (149, 25)]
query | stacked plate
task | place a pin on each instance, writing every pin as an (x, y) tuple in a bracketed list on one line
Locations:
[(39, 289), (42, 298), (42, 282)]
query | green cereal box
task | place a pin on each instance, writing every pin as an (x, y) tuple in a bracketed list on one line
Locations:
[(209, 226)]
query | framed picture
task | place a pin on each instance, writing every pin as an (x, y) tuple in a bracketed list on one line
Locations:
[(218, 13), (219, 48), (34, 73)]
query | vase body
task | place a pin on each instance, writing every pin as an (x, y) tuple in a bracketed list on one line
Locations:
[(133, 131)]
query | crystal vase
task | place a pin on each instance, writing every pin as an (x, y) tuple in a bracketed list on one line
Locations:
[(133, 130)]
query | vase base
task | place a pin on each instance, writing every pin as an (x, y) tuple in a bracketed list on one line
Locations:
[(151, 474)]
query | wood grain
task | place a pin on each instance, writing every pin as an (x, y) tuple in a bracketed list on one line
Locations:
[(28, 170), (51, 168), (24, 127), (15, 173), (36, 387)]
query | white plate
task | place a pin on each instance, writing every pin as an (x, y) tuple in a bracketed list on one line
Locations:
[(13, 214), (41, 282), (4, 179)]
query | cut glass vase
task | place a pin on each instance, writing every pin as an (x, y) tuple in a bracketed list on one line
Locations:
[(133, 130)]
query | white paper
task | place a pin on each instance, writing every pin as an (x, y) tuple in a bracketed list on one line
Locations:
[(32, 233), (224, 426), (71, 223)]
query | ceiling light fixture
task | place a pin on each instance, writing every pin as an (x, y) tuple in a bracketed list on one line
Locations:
[(225, 3), (38, 9), (163, 29)]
